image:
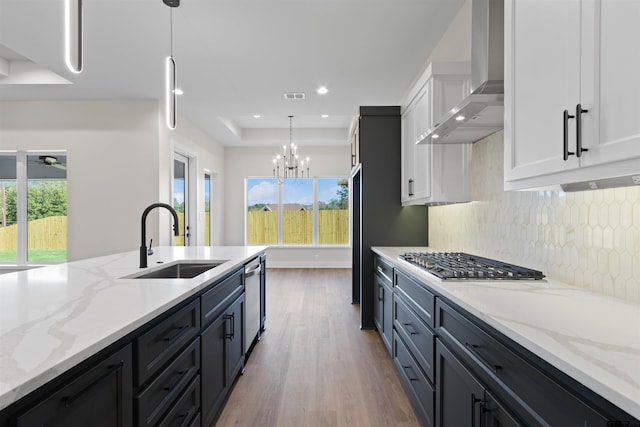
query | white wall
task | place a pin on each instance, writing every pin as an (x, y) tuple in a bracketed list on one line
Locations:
[(243, 162), (119, 162)]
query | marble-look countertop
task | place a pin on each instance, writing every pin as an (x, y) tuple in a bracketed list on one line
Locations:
[(53, 318), (593, 338)]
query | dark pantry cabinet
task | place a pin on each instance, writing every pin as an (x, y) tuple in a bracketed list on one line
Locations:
[(378, 216)]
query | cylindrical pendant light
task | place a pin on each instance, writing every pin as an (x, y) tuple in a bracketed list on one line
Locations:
[(171, 95), (73, 35)]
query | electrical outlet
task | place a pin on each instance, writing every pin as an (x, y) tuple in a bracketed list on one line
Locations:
[(636, 179), (593, 185)]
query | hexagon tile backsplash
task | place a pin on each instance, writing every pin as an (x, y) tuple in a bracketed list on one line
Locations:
[(589, 239)]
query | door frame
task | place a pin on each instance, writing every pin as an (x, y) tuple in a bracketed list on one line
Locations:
[(191, 191)]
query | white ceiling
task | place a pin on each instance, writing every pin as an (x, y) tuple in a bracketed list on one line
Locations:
[(235, 58)]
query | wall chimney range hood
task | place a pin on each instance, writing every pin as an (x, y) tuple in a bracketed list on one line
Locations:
[(482, 112)]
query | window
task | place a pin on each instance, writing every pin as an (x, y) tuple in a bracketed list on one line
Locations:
[(333, 211), (262, 211), (298, 211), (33, 203)]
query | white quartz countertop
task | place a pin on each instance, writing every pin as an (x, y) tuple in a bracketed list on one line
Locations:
[(593, 338), (53, 318)]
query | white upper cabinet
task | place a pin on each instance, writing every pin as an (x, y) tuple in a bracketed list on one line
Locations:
[(572, 95), (434, 173)]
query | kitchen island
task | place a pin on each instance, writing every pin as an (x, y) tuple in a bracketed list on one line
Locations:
[(54, 318), (591, 338)]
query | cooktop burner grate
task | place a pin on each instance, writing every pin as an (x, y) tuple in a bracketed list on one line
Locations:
[(460, 265)]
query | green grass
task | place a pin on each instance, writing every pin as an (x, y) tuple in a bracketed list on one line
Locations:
[(53, 255)]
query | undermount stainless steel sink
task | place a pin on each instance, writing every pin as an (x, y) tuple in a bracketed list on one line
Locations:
[(179, 270)]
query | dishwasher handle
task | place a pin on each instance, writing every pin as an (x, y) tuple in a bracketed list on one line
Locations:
[(252, 270)]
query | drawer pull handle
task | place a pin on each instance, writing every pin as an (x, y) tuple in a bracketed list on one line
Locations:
[(230, 335), (179, 332), (111, 369), (579, 112), (565, 138), (472, 349), (182, 374), (411, 331), (411, 377), (380, 270)]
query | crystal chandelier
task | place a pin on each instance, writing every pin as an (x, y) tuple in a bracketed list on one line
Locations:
[(289, 163)]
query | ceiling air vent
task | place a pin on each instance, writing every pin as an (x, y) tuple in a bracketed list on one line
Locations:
[(294, 95)]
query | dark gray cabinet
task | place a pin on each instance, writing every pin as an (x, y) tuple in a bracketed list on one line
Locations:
[(459, 394), (383, 302), (378, 216), (472, 375), (176, 370), (153, 402), (223, 358), (100, 397), (516, 380)]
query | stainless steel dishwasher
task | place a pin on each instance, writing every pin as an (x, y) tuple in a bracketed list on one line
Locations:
[(252, 302)]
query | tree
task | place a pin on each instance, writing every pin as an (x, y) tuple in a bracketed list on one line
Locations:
[(46, 198)]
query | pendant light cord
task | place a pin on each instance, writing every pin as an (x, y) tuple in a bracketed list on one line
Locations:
[(171, 32)]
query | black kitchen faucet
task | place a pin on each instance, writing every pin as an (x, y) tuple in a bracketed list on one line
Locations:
[(143, 243)]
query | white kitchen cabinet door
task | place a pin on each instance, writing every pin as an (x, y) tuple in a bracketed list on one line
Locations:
[(426, 168), (542, 80), (408, 138), (421, 156), (578, 55), (616, 41)]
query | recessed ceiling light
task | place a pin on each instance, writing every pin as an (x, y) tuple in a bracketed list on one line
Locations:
[(324, 116), (460, 118), (178, 92), (322, 90), (256, 116), (435, 136)]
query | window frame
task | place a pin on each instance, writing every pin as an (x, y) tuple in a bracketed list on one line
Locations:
[(22, 222), (315, 229)]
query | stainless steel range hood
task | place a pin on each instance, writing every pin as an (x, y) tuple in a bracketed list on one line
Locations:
[(482, 112)]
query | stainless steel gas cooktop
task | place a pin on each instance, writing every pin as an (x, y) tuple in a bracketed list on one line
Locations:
[(460, 265)]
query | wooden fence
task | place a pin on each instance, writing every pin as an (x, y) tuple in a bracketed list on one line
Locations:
[(262, 227), (45, 233)]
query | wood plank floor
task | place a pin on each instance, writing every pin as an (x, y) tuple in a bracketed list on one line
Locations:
[(314, 366)]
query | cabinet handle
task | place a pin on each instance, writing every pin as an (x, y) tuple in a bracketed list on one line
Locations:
[(182, 374), (111, 369), (411, 187), (177, 334), (231, 317), (380, 293), (411, 377), (406, 325), (579, 112), (566, 153), (474, 402), (472, 349), (380, 269)]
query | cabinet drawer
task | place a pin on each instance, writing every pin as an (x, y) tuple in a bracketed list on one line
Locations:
[(417, 296), (419, 338), (224, 293), (185, 409), (538, 396), (101, 396), (419, 389), (153, 402), (383, 269), (156, 347)]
